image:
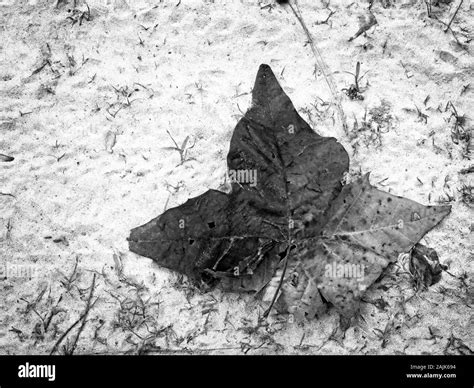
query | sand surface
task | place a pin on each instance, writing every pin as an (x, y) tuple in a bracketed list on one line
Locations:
[(85, 106)]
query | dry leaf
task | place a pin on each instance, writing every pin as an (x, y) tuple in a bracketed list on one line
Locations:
[(288, 230)]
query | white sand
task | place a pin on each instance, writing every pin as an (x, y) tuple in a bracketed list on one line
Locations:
[(192, 75)]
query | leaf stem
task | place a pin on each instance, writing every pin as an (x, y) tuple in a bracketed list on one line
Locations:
[(275, 296)]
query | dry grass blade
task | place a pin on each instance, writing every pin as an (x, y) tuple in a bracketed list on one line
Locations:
[(183, 150), (322, 65)]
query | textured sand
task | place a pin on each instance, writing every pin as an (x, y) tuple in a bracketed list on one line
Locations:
[(89, 165)]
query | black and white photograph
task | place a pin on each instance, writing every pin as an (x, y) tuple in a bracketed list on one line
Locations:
[(237, 178)]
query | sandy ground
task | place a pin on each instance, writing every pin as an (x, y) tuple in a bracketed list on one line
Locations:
[(84, 110)]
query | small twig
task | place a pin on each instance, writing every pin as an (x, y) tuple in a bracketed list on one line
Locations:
[(83, 316), (114, 114), (269, 6), (428, 7), (8, 195), (6, 158), (53, 312), (448, 26), (68, 281), (42, 66), (331, 13), (30, 306)]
